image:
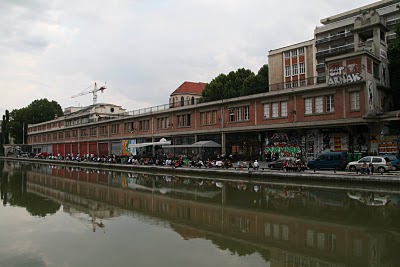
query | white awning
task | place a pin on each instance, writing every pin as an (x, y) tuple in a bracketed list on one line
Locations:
[(197, 144), (159, 143)]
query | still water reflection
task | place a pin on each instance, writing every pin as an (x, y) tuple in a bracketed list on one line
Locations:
[(71, 216)]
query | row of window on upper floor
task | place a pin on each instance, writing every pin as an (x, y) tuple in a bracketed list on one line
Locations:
[(295, 69), (294, 52), (278, 109)]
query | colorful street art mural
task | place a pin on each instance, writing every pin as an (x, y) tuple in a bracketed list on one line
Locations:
[(283, 145), (126, 150), (283, 150)]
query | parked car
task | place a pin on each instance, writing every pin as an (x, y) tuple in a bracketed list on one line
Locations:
[(329, 160), (380, 164), (394, 160), (278, 164)]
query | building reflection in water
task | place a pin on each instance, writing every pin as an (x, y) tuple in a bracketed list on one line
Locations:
[(288, 225)]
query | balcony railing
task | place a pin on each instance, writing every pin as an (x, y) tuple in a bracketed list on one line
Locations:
[(392, 23), (333, 37), (335, 50), (136, 112), (390, 37), (293, 84)]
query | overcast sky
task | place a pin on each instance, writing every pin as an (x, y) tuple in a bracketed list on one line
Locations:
[(142, 50)]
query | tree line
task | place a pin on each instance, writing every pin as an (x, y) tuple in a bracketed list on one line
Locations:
[(15, 123)]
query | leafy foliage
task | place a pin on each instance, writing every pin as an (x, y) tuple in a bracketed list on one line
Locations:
[(394, 68), (237, 83), (38, 111)]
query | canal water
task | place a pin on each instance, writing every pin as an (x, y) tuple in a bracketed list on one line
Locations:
[(54, 215)]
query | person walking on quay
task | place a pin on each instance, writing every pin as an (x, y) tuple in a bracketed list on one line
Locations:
[(256, 165), (371, 168)]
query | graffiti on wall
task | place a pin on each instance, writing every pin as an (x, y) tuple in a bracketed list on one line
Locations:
[(126, 149), (370, 86), (344, 74), (283, 150)]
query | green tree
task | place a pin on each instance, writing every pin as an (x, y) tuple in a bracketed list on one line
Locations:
[(18, 125), (394, 68), (5, 128), (237, 83), (16, 122), (42, 110)]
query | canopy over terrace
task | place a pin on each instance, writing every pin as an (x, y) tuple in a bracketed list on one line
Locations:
[(200, 144), (162, 142)]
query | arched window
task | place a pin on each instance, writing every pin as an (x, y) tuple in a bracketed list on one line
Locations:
[(182, 101), (192, 100)]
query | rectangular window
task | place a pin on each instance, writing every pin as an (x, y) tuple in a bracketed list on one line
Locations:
[(103, 130), (308, 105), (376, 70), (275, 110), (238, 114), (288, 85), (144, 125), (83, 133), (67, 134), (287, 54), (54, 136), (163, 123), (330, 103), (275, 231), (208, 117), (302, 68), (318, 104), (287, 71), (231, 114), (183, 120), (294, 53), (61, 136), (294, 69), (93, 131), (310, 238), (285, 232), (128, 127), (266, 111), (321, 241), (295, 84), (246, 112), (114, 128), (355, 101), (301, 50), (284, 109), (357, 247), (267, 229)]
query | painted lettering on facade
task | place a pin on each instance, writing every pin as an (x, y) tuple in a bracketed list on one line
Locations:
[(283, 150), (349, 73), (349, 78)]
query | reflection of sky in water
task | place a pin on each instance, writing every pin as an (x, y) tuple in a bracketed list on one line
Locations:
[(62, 240)]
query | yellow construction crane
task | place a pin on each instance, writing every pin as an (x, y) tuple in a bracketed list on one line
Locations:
[(93, 91)]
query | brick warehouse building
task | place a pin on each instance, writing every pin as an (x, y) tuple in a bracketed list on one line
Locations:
[(326, 94)]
